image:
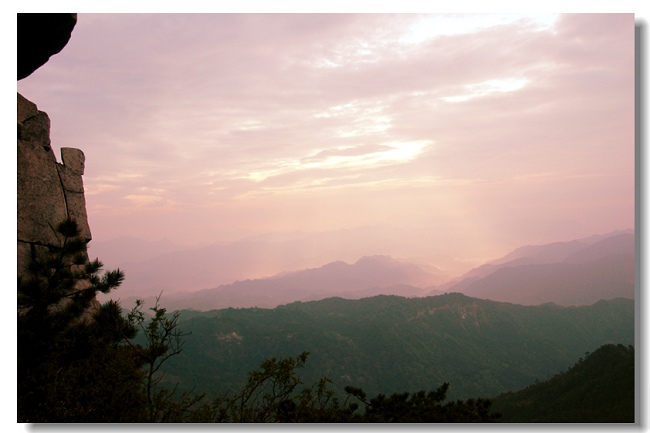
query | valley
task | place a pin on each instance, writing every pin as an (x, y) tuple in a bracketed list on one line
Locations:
[(380, 324)]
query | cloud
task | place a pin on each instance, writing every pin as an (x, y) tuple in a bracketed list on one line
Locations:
[(485, 88), (143, 199), (198, 111)]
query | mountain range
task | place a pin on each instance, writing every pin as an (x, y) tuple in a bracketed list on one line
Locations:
[(578, 272), (152, 267), (368, 276)]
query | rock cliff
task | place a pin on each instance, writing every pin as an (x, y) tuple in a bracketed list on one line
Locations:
[(48, 192)]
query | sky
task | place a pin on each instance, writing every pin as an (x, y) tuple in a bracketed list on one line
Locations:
[(466, 135)]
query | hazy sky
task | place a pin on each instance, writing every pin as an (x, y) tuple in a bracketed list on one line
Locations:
[(468, 135)]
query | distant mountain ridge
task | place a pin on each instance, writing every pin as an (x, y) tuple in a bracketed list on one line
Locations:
[(578, 272), (152, 267), (369, 276), (566, 273), (545, 253)]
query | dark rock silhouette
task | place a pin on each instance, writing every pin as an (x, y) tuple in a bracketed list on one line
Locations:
[(40, 36)]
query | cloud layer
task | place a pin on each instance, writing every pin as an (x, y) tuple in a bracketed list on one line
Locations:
[(483, 131)]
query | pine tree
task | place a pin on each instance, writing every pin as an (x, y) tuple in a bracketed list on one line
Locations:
[(70, 348)]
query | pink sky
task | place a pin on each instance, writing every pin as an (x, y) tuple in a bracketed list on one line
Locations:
[(464, 135)]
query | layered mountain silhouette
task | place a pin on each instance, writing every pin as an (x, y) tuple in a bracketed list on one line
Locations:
[(566, 273), (369, 276), (578, 272), (152, 267)]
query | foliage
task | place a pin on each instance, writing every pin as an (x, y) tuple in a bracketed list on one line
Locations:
[(64, 283), (69, 346), (163, 339), (71, 349), (267, 391), (422, 407), (271, 395)]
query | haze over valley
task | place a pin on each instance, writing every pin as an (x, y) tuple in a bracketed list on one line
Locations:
[(576, 272)]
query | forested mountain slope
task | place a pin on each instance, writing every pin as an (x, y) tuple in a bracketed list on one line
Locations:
[(389, 343), (598, 388)]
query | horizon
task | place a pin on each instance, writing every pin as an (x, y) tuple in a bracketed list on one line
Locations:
[(462, 143), (114, 248)]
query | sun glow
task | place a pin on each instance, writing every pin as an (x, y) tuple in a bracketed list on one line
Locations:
[(488, 87), (402, 151), (384, 154), (433, 26)]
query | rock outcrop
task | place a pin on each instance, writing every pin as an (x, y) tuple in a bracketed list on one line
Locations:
[(48, 191), (40, 36)]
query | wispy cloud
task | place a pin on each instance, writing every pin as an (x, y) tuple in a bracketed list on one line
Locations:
[(194, 111)]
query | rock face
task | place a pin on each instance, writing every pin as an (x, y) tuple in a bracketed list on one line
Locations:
[(40, 36), (48, 191)]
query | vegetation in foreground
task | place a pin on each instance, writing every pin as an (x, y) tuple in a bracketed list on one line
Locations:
[(71, 350)]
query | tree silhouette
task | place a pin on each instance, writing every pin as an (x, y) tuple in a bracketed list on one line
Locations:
[(163, 339), (69, 346), (421, 407)]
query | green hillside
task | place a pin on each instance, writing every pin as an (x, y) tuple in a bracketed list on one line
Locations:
[(388, 344), (597, 389)]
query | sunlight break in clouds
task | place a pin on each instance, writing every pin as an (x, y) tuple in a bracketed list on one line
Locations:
[(430, 27), (437, 126), (387, 153), (486, 88)]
